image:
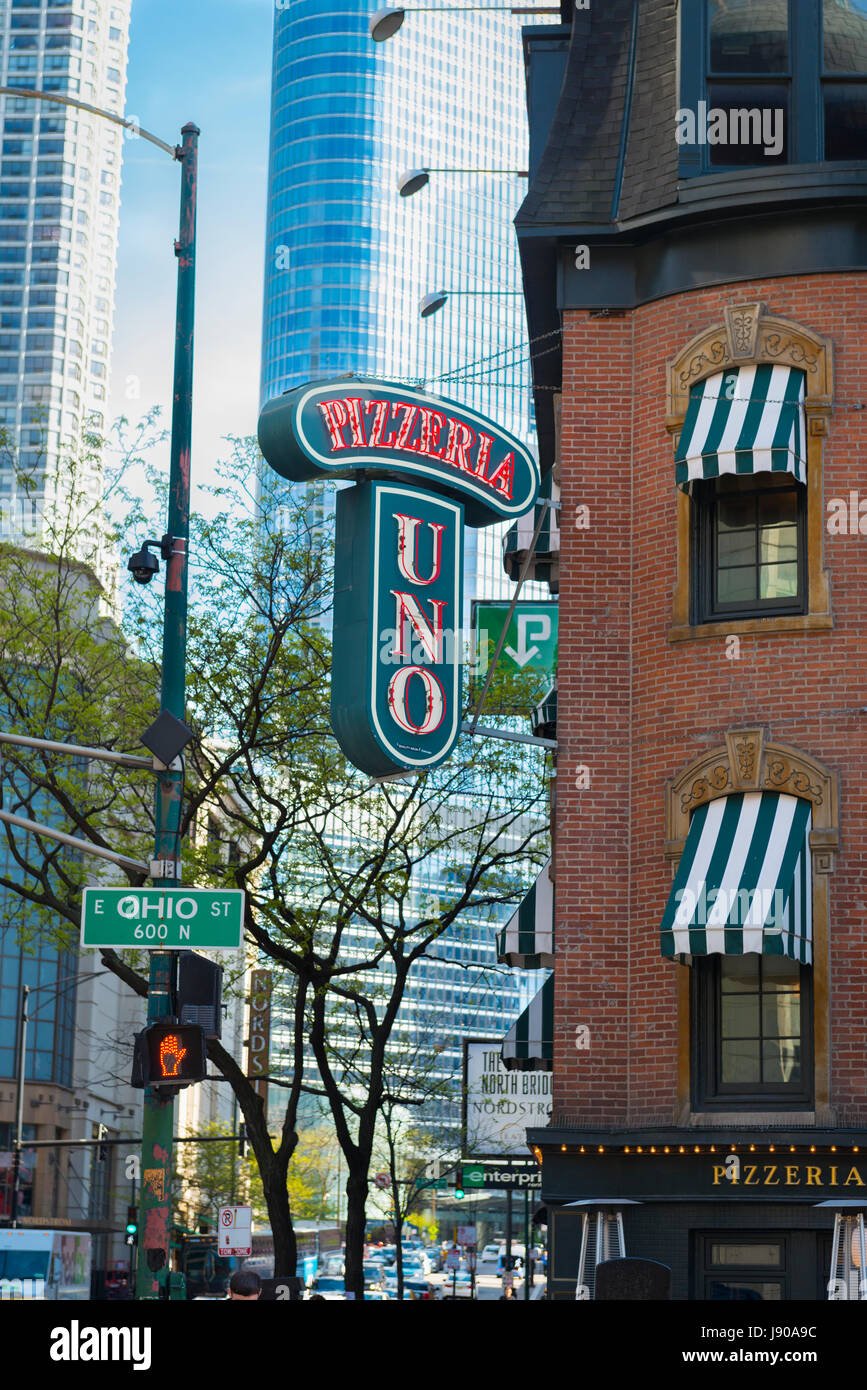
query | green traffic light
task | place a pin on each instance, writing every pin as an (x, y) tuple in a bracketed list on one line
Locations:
[(131, 1228), (459, 1192)]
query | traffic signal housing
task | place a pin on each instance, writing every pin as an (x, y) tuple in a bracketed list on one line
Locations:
[(132, 1224), (169, 1055), (459, 1192)]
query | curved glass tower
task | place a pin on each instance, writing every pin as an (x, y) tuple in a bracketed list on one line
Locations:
[(347, 262)]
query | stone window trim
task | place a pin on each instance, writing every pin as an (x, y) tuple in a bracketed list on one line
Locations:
[(747, 336), (746, 763)]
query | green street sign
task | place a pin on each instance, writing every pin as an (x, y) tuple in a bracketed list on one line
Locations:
[(531, 638), (162, 918), (440, 1184)]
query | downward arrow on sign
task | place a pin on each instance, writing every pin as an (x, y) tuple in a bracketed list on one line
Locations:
[(523, 654)]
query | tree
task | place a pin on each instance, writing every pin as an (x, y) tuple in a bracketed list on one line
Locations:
[(338, 874)]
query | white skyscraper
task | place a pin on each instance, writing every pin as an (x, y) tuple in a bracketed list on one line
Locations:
[(59, 205)]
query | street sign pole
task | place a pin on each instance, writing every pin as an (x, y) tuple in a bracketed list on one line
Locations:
[(158, 1121)]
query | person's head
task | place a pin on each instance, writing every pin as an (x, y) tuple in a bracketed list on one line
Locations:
[(245, 1285)]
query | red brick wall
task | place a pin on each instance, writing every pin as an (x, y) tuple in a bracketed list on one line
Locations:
[(634, 708)]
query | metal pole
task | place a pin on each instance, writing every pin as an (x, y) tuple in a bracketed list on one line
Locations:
[(19, 1105), (158, 1119), (526, 1243), (508, 1230)]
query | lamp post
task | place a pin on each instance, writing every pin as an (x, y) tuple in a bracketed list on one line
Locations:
[(158, 1118), (386, 22), (410, 181), (432, 302)]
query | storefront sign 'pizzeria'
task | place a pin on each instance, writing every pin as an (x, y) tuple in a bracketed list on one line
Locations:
[(423, 467)]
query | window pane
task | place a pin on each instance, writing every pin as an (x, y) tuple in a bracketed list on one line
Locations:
[(748, 124), (737, 586), (780, 973), (778, 508), (844, 25), (778, 581), (740, 1062), (778, 544), (737, 1290), (746, 1254), (845, 120), (745, 37), (740, 1016), (781, 1015), (737, 548), (781, 1062), (734, 513), (740, 973)]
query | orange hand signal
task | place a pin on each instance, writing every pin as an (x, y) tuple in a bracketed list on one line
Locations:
[(170, 1048)]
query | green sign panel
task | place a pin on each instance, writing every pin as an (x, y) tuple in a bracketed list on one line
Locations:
[(531, 638), (334, 428), (397, 663), (162, 918)]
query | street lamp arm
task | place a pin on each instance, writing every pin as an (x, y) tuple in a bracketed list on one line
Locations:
[(84, 846), (32, 95)]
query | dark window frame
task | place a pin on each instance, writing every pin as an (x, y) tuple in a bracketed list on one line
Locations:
[(804, 83), (703, 503), (708, 1092)]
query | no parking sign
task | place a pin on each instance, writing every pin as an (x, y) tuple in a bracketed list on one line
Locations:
[(235, 1231)]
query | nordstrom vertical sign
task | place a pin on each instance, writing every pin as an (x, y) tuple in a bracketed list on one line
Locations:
[(423, 467)]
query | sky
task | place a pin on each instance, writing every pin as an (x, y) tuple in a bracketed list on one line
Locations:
[(207, 61)]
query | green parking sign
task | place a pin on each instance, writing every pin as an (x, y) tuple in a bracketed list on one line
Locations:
[(531, 637)]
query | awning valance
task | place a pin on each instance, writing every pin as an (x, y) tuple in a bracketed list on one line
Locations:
[(545, 564), (529, 1043), (527, 939), (743, 883), (746, 420), (544, 716)]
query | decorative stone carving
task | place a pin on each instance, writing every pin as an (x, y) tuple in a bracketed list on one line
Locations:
[(742, 329), (781, 776), (745, 757), (704, 788)]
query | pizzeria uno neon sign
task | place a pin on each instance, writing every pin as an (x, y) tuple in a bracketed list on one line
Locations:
[(423, 467)]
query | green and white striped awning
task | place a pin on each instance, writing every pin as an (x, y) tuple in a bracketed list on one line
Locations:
[(529, 1043), (527, 939), (544, 716), (747, 420), (545, 563), (743, 883)]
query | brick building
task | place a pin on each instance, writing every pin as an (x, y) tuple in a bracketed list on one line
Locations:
[(704, 272)]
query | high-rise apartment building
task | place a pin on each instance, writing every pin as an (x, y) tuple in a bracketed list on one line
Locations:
[(59, 205), (348, 261)]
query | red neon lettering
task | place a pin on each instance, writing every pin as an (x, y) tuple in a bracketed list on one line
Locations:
[(429, 634), (435, 700), (353, 406), (335, 417), (403, 434), (503, 476), (461, 440), (431, 424), (380, 409), (407, 548), (485, 442)]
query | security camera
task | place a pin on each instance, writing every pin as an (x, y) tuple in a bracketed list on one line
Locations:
[(143, 565)]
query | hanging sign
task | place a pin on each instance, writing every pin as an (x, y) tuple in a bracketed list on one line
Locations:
[(332, 429), (396, 663), (423, 466)]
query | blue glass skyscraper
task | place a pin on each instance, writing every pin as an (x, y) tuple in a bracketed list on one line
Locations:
[(348, 260)]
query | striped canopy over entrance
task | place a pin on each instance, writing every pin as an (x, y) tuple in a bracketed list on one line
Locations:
[(529, 1043), (743, 883), (527, 939), (746, 420)]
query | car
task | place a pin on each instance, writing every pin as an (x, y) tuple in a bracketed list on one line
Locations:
[(412, 1289), (374, 1275), (417, 1260), (435, 1255), (459, 1284), (328, 1286), (491, 1253)]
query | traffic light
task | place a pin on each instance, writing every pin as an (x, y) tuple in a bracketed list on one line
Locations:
[(169, 1055), (101, 1149), (242, 1140), (459, 1192), (199, 993), (132, 1225)]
